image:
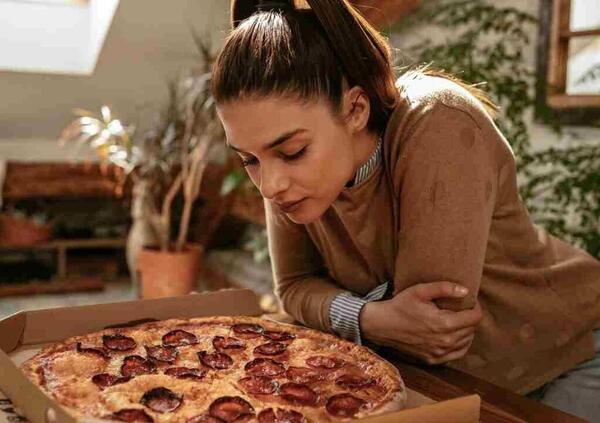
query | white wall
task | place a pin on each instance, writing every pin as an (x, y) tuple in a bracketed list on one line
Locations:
[(148, 42)]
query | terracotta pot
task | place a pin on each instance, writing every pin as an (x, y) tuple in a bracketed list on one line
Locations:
[(168, 274), (22, 232)]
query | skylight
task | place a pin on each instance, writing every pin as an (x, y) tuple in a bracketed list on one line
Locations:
[(53, 36)]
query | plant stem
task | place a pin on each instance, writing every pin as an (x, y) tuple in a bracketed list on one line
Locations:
[(166, 212)]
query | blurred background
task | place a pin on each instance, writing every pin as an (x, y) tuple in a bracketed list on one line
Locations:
[(114, 179)]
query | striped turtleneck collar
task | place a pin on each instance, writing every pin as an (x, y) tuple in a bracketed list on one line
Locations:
[(368, 167)]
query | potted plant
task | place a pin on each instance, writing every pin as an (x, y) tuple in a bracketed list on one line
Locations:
[(168, 161)]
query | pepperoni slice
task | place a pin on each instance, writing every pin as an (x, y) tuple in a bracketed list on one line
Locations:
[(271, 348), (99, 351), (343, 405), (350, 381), (167, 354), (298, 393), (264, 367), (216, 360), (231, 409), (228, 343), (259, 384), (161, 400), (178, 338), (204, 418), (303, 375), (185, 373), (118, 342), (248, 330), (134, 365), (130, 415), (104, 380), (279, 336), (280, 415), (324, 362)]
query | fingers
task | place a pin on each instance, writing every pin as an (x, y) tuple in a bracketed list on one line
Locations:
[(436, 355), (433, 290), (462, 343), (455, 320), (444, 356), (453, 355), (451, 340)]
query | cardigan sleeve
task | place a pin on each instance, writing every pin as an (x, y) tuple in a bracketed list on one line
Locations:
[(303, 286), (302, 283), (445, 182)]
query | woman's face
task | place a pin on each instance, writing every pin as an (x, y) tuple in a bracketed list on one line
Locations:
[(300, 156)]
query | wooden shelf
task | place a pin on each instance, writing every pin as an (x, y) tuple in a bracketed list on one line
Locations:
[(51, 180), (62, 245)]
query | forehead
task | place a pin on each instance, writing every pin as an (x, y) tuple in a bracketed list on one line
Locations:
[(250, 123)]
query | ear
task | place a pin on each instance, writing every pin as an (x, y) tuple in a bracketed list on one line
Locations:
[(356, 109)]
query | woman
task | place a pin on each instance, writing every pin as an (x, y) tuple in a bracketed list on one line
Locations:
[(392, 210)]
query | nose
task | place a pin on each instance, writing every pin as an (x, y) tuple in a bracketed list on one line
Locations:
[(273, 181)]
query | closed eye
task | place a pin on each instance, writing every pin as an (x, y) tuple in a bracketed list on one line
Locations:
[(249, 162), (295, 156), (286, 157)]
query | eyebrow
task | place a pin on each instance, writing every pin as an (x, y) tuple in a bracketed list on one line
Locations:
[(279, 140)]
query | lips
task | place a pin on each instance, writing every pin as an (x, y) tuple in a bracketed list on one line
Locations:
[(290, 206)]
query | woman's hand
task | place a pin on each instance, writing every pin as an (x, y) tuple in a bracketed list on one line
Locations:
[(412, 323)]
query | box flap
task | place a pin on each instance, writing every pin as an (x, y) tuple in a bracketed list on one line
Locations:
[(463, 410), (27, 396), (71, 321), (11, 331)]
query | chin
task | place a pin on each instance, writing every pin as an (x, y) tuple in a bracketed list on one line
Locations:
[(306, 214)]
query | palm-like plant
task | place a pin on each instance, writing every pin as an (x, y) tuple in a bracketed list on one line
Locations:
[(111, 140), (170, 159)]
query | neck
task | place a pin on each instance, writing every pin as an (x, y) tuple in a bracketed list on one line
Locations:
[(364, 147)]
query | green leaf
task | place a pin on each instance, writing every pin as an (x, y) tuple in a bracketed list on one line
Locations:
[(232, 181)]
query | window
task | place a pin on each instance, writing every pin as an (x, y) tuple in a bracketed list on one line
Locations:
[(569, 61)]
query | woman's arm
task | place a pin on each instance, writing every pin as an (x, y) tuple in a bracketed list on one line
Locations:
[(446, 184), (301, 281)]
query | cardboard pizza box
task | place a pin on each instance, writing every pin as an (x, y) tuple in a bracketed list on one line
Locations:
[(24, 333)]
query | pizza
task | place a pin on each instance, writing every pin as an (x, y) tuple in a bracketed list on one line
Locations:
[(216, 369)]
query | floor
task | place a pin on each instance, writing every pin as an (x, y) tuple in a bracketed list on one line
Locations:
[(237, 266), (113, 292)]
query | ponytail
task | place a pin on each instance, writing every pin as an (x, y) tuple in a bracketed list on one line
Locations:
[(363, 52), (306, 52)]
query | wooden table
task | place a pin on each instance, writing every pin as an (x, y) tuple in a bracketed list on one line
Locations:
[(497, 404)]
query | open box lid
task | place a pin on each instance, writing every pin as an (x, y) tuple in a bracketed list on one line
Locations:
[(30, 329)]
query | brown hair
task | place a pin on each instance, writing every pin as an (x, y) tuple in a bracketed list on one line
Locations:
[(307, 53)]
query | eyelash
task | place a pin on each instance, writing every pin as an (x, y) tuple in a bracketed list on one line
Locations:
[(290, 158)]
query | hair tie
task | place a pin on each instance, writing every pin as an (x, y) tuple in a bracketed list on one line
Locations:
[(269, 5)]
